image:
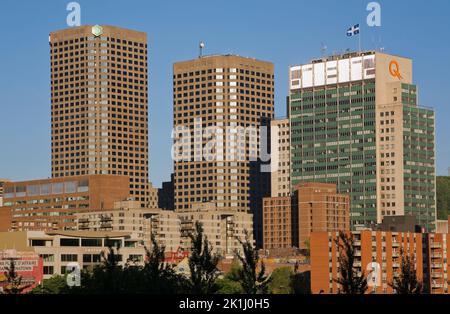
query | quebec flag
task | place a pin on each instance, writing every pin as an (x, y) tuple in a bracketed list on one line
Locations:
[(354, 30)]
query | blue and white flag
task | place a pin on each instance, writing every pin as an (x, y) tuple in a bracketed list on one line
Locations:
[(354, 30)]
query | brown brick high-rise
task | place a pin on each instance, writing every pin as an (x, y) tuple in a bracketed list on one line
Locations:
[(100, 104), (227, 92)]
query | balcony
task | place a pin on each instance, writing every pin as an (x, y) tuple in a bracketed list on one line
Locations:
[(396, 265), (436, 245), (436, 275), (84, 226), (106, 225), (436, 255), (395, 244), (436, 265)]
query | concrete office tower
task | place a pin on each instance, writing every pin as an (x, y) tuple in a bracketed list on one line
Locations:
[(281, 175), (355, 121), (100, 104), (230, 93)]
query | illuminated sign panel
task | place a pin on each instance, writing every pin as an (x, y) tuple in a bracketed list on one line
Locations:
[(332, 72)]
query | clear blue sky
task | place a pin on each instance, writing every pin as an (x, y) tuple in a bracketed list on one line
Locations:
[(284, 32)]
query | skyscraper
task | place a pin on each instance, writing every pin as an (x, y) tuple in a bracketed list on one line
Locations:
[(355, 121), (227, 93), (99, 104)]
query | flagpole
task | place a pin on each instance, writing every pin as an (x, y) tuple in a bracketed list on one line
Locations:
[(359, 38)]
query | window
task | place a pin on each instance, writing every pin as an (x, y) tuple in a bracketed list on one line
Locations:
[(70, 187), (87, 258), (33, 190), (48, 270), (38, 242), (83, 186), (69, 257), (48, 257), (113, 243), (69, 242), (45, 189), (57, 188), (91, 242)]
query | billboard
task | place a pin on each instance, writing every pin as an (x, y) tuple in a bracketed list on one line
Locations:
[(332, 72), (28, 265)]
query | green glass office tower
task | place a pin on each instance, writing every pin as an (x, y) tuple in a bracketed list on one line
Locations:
[(355, 122)]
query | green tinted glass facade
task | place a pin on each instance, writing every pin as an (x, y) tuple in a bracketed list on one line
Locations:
[(333, 141), (419, 158)]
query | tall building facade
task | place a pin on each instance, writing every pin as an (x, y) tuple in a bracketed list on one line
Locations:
[(313, 207), (281, 155), (355, 121), (99, 104), (228, 94)]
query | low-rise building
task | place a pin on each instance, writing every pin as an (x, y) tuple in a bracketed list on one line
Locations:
[(223, 228), (280, 223), (59, 249), (51, 204), (129, 216), (152, 196), (2, 183), (379, 255)]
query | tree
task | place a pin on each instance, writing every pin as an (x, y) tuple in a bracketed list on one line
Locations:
[(228, 286), (281, 281), (54, 285), (307, 247), (202, 263), (160, 277), (230, 283), (351, 282), (252, 282), (14, 280), (301, 282), (443, 197), (108, 277), (407, 281)]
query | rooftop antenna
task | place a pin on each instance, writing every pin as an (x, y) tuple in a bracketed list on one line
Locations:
[(201, 46), (381, 48), (323, 49)]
